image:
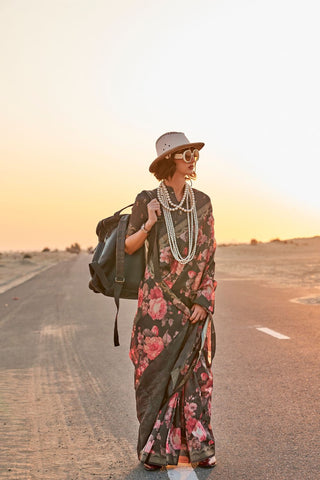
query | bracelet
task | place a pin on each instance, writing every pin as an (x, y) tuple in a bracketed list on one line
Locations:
[(144, 229)]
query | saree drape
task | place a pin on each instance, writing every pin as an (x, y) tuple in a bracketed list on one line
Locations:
[(171, 356)]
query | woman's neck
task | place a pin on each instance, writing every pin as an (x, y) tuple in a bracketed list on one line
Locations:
[(177, 183)]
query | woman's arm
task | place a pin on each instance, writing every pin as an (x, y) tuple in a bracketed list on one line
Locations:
[(137, 239)]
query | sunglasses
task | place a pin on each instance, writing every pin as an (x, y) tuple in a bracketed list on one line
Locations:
[(188, 156)]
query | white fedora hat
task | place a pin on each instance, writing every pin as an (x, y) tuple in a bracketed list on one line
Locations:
[(169, 143)]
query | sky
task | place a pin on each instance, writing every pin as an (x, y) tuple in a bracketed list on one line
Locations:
[(87, 86)]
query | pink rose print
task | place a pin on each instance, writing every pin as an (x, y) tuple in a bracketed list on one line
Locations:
[(168, 282), (140, 297), (208, 293), (176, 267), (155, 330), (205, 254), (157, 425), (147, 274), (156, 293), (173, 401), (144, 308), (199, 432), (175, 438), (166, 338), (202, 239), (191, 274), (165, 255), (190, 425), (197, 280), (144, 363), (157, 305), (153, 347), (189, 409), (143, 299), (149, 445), (196, 368)]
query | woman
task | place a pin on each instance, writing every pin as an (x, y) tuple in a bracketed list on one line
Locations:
[(173, 338)]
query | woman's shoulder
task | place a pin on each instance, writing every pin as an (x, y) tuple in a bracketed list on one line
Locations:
[(147, 194), (144, 197), (201, 197)]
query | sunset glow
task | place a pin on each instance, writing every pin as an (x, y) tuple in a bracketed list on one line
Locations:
[(88, 86)]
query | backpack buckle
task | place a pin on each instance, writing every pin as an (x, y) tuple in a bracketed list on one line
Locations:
[(119, 279)]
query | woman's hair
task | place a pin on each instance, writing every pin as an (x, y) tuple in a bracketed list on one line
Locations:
[(165, 169)]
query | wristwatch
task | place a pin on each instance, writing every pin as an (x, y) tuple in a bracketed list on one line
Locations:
[(143, 228)]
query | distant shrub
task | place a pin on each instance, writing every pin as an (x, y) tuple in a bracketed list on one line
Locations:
[(253, 241), (74, 248), (27, 255), (46, 249), (227, 244), (275, 240), (90, 249)]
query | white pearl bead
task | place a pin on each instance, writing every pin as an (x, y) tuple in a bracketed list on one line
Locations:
[(192, 219)]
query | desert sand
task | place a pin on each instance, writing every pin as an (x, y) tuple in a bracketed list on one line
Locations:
[(17, 267), (287, 263)]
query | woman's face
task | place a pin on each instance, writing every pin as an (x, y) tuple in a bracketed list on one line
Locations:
[(184, 168)]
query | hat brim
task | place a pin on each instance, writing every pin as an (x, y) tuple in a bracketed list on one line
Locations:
[(161, 157)]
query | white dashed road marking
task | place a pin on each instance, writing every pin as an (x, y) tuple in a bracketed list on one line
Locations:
[(273, 333), (182, 473)]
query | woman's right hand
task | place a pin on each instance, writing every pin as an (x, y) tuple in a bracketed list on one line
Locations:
[(154, 211)]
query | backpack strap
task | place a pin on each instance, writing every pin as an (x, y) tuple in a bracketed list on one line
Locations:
[(119, 211), (119, 278), (155, 247), (155, 255)]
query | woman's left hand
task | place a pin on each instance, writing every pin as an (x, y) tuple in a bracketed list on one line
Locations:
[(198, 313)]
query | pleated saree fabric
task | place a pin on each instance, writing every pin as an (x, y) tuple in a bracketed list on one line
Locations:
[(171, 356)]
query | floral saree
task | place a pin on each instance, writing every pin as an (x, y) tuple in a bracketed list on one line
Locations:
[(172, 357)]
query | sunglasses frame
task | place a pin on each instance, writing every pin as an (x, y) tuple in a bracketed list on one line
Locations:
[(182, 155)]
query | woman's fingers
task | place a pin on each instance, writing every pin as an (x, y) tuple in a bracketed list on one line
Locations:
[(154, 205), (198, 313), (154, 210)]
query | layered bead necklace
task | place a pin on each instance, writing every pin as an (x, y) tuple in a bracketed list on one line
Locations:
[(192, 220)]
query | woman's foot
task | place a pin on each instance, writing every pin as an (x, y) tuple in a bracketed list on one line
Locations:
[(208, 462), (151, 468)]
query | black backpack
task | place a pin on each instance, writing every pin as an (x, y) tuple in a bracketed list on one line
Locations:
[(113, 272)]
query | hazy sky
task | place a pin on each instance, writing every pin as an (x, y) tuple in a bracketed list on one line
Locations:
[(87, 86)]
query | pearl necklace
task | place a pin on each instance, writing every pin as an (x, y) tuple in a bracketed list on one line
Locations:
[(192, 219), (165, 200)]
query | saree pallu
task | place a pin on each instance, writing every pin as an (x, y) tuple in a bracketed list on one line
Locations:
[(172, 357)]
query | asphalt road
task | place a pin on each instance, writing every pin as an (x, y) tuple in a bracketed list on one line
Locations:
[(67, 408)]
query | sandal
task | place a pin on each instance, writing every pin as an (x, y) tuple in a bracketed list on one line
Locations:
[(208, 462), (151, 468)]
